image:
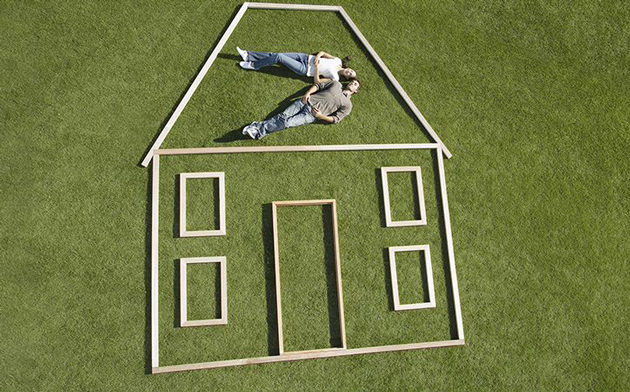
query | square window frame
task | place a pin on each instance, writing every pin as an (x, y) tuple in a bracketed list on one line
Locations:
[(387, 205), (394, 276), (183, 232), (183, 294)]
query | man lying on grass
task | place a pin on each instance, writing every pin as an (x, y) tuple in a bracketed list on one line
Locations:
[(327, 101)]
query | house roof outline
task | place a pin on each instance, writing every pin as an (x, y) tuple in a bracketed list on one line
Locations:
[(303, 7)]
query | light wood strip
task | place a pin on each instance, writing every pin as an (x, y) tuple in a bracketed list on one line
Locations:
[(451, 253), (155, 229), (298, 7), (259, 149), (301, 356), (342, 322), (276, 264)]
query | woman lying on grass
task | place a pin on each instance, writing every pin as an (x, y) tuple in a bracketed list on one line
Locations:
[(330, 67)]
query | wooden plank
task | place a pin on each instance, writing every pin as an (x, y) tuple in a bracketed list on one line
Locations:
[(449, 245), (182, 204), (296, 7), (155, 229), (193, 87), (394, 82), (276, 264), (261, 149), (342, 322), (297, 203), (330, 353), (183, 293)]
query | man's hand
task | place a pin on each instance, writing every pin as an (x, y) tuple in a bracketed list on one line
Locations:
[(305, 98), (318, 115)]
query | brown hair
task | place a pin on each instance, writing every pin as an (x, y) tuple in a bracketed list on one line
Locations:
[(355, 80), (345, 61)]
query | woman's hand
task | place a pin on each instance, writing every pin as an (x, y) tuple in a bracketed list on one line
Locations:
[(305, 98)]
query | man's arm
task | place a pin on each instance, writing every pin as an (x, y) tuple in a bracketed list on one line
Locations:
[(310, 91), (318, 115)]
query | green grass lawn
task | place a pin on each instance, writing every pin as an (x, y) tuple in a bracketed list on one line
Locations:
[(531, 98)]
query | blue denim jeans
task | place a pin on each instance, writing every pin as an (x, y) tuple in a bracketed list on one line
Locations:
[(296, 114), (296, 62)]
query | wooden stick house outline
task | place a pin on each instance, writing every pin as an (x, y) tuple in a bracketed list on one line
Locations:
[(155, 153)]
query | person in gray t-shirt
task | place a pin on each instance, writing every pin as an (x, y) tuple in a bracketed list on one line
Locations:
[(326, 101)]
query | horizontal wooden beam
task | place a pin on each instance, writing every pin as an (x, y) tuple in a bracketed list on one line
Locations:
[(329, 353), (341, 147), (299, 7)]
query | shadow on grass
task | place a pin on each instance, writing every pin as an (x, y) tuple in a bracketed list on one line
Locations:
[(237, 134), (272, 310), (381, 199), (388, 280), (190, 82), (334, 323)]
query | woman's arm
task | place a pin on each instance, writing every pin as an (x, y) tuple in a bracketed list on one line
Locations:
[(316, 70), (325, 55)]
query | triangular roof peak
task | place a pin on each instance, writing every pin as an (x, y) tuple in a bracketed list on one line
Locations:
[(303, 7)]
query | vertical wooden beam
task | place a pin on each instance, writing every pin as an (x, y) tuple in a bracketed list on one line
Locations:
[(451, 253), (342, 322), (276, 261), (155, 229), (183, 292)]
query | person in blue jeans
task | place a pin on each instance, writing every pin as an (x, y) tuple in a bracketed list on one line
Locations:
[(321, 64), (327, 101)]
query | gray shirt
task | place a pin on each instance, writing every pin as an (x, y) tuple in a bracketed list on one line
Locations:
[(331, 101)]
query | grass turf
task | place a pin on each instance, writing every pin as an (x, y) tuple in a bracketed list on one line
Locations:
[(531, 98)]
